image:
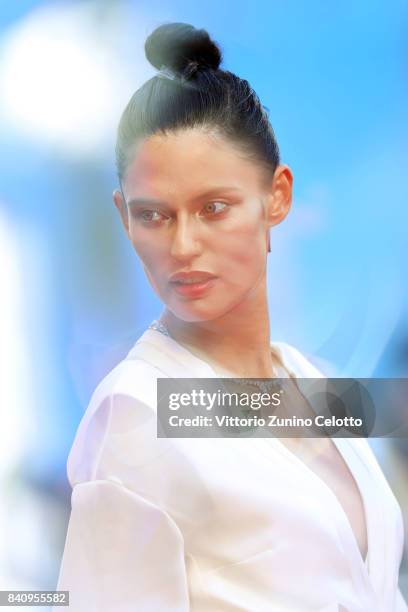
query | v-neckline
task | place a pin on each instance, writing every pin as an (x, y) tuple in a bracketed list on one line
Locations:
[(343, 452), (204, 369)]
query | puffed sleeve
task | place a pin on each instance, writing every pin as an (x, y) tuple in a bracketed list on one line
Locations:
[(122, 553)]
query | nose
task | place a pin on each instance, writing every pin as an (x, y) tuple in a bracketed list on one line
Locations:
[(185, 243)]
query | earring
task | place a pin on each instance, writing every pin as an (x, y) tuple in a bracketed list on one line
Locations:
[(269, 242)]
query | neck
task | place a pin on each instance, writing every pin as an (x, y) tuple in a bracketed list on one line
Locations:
[(237, 343)]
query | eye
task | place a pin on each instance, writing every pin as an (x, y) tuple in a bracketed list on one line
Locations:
[(215, 208), (149, 216)]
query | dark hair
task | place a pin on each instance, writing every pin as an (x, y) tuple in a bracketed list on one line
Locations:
[(190, 90)]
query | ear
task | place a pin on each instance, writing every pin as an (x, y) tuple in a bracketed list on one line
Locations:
[(121, 205), (280, 197)]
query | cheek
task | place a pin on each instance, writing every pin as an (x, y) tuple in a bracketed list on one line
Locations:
[(151, 259), (242, 250), (148, 251)]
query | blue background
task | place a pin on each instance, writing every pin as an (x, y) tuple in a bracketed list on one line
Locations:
[(333, 76)]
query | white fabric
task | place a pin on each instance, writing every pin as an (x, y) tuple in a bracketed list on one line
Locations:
[(215, 525)]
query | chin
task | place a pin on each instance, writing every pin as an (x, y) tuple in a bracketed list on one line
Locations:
[(191, 315), (196, 311)]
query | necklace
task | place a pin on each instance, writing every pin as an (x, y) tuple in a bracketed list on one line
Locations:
[(262, 385), (160, 327)]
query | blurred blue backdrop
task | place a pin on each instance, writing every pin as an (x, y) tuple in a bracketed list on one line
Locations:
[(73, 295)]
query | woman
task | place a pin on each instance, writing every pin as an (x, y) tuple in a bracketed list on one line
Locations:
[(214, 524)]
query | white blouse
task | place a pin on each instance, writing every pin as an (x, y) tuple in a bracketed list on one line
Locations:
[(215, 525)]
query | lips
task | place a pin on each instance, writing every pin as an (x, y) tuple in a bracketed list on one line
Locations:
[(192, 285), (191, 278)]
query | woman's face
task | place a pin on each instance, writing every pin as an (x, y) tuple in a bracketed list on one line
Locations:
[(195, 204)]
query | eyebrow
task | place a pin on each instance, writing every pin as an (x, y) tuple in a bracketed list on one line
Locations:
[(142, 201), (134, 202)]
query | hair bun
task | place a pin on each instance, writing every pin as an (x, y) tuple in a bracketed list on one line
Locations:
[(182, 48)]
